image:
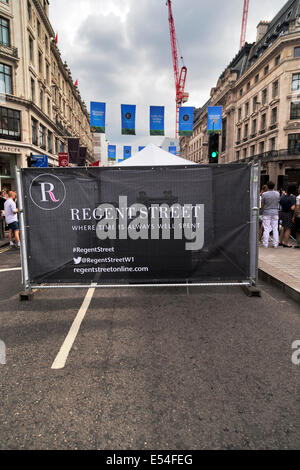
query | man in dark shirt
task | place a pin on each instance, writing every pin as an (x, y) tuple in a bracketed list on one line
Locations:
[(288, 203)]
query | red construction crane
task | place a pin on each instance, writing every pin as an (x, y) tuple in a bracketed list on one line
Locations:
[(180, 78), (244, 23)]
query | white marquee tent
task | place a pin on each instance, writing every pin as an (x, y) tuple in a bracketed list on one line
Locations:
[(154, 156)]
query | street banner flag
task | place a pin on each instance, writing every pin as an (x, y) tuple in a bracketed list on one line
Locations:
[(112, 152), (63, 159), (98, 114), (128, 119), (127, 152), (141, 148), (56, 38), (214, 119), (41, 161), (157, 120), (120, 160), (97, 163), (186, 120), (73, 150), (173, 149), (82, 156)]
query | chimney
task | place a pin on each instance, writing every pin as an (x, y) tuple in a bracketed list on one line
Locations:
[(261, 28)]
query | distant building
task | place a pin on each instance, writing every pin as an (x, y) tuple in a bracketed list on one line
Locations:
[(39, 105), (260, 95)]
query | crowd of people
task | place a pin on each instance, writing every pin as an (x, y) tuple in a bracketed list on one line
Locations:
[(280, 212), (9, 217)]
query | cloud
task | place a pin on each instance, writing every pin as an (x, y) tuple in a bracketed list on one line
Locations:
[(120, 50)]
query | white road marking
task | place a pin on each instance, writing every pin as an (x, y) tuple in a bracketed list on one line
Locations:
[(10, 269), (62, 356)]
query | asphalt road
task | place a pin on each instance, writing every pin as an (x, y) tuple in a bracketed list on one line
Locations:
[(149, 369)]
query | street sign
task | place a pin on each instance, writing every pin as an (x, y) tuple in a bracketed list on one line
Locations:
[(41, 161), (63, 159)]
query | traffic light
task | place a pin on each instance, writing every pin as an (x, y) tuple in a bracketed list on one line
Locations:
[(213, 148), (31, 161)]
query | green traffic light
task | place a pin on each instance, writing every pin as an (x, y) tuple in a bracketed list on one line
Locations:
[(214, 154)]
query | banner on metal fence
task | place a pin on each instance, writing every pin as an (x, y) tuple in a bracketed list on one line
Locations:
[(137, 226)]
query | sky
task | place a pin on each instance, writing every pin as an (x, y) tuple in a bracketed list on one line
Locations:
[(120, 52)]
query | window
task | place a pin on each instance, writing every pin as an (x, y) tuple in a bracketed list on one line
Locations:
[(294, 143), (31, 54), (274, 116), (246, 109), (245, 153), (297, 52), (277, 60), (49, 141), (275, 88), (257, 78), (241, 92), (295, 110), (56, 145), (264, 96), (252, 150), (38, 25), (42, 136), (29, 11), (254, 126), (10, 127), (237, 155), (32, 90), (42, 100), (5, 79), (46, 43), (61, 147), (248, 86), (273, 144), (239, 114), (255, 104), (239, 134), (34, 131), (47, 74), (263, 121), (4, 32), (40, 62), (296, 82), (261, 147), (224, 133), (48, 107), (246, 131), (266, 70)]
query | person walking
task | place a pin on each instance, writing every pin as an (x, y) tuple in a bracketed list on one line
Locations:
[(3, 197), (11, 217), (297, 218), (288, 203), (270, 206)]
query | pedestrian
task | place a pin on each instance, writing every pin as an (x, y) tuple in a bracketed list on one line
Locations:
[(288, 204), (297, 218), (3, 197), (270, 206), (11, 217), (261, 228)]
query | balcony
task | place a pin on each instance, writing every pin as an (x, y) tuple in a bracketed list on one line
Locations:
[(262, 131), (274, 126), (252, 136), (9, 51)]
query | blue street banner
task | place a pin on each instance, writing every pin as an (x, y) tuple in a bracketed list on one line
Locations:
[(141, 148), (186, 120), (41, 161), (128, 119), (98, 112), (127, 152), (157, 120), (214, 119), (112, 152), (120, 160), (173, 149)]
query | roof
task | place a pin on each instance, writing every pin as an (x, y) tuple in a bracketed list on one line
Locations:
[(154, 156)]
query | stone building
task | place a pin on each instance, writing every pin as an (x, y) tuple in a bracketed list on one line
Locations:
[(260, 95), (40, 106)]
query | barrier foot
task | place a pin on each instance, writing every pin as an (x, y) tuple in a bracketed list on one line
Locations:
[(26, 295), (252, 291)]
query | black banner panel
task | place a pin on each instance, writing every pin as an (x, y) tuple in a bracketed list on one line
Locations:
[(137, 225)]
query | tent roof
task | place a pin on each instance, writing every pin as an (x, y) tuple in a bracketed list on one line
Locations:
[(154, 156)]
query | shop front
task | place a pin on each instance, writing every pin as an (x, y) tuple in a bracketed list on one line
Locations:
[(9, 158)]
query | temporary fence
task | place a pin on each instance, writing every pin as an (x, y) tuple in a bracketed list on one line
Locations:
[(139, 226)]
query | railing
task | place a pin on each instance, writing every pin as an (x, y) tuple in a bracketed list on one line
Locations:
[(274, 154), (9, 50)]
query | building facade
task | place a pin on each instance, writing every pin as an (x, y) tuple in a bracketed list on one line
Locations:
[(260, 95), (39, 105)]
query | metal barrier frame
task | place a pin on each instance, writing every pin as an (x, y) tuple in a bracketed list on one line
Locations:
[(254, 187)]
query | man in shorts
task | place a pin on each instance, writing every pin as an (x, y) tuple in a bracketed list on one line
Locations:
[(11, 218), (270, 205)]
